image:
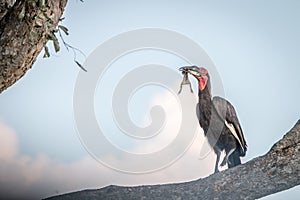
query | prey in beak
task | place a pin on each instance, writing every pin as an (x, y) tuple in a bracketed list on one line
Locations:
[(185, 79), (200, 73)]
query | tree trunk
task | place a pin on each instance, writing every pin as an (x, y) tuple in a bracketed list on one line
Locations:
[(25, 27), (273, 172)]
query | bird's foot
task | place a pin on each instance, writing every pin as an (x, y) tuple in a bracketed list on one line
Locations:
[(225, 160), (223, 163)]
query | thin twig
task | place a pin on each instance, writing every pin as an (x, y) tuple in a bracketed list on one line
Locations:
[(74, 49)]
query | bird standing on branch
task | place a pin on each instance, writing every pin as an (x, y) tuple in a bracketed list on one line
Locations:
[(219, 121)]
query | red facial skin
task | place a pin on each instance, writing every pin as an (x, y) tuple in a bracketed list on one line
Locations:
[(202, 80), (203, 71)]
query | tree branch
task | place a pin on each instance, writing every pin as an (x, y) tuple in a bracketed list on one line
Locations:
[(5, 6), (273, 172), (24, 29)]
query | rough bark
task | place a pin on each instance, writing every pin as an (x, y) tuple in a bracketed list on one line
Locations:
[(25, 27), (273, 172)]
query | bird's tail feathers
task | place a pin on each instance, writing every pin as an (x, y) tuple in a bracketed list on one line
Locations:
[(242, 151)]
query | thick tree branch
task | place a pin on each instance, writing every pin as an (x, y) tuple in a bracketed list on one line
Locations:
[(5, 6), (24, 30), (273, 172)]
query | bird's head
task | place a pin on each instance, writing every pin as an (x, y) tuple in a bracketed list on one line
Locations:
[(200, 73)]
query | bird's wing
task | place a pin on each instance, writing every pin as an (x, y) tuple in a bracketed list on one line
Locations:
[(227, 112)]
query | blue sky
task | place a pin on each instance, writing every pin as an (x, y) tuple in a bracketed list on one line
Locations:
[(254, 45)]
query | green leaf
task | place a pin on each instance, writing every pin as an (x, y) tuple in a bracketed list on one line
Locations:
[(56, 45), (55, 41), (80, 65), (22, 13), (46, 54), (64, 29)]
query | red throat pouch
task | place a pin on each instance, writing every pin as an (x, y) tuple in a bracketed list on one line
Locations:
[(202, 82)]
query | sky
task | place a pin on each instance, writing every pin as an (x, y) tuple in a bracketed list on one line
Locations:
[(254, 47)]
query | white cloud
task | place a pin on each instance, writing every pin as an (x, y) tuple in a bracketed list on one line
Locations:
[(36, 177), (8, 142), (23, 176)]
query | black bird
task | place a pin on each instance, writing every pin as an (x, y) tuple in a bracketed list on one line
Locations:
[(219, 121)]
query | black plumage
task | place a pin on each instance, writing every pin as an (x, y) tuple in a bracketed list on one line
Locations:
[(219, 121)]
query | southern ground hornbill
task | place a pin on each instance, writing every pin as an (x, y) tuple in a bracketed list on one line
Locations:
[(219, 121)]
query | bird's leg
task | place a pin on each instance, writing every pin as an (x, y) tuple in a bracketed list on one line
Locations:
[(226, 160), (191, 88), (180, 89), (217, 161)]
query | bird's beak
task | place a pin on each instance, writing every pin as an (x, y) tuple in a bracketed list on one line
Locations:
[(183, 69), (191, 70)]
